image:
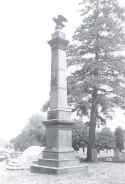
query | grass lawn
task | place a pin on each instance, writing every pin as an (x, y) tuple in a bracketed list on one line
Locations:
[(95, 173)]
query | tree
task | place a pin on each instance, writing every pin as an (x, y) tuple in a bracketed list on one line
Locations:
[(97, 84), (45, 106), (32, 134), (105, 139), (119, 138), (79, 136)]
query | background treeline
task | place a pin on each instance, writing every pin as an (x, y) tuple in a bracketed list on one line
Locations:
[(34, 134)]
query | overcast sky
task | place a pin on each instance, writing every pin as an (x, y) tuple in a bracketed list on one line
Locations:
[(25, 28)]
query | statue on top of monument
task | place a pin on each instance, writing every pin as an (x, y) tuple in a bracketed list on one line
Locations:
[(59, 22)]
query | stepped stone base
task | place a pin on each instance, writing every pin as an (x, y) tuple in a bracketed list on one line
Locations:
[(57, 163), (56, 170), (58, 156)]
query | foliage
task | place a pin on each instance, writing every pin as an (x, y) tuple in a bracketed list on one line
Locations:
[(45, 106), (105, 139), (32, 134), (97, 84), (79, 136), (119, 138)]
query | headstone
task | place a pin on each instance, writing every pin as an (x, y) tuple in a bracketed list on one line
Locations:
[(24, 160)]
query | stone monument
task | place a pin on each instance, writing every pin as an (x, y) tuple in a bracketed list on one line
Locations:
[(58, 156)]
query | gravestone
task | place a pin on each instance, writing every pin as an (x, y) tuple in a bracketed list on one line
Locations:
[(24, 160), (58, 156)]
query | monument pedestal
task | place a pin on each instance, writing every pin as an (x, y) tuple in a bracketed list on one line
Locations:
[(58, 156)]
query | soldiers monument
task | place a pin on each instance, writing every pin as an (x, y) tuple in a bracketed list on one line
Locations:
[(58, 155)]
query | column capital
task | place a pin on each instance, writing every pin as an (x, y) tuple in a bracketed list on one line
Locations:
[(58, 41)]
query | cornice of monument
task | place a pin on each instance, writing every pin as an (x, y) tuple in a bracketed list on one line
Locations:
[(58, 40), (50, 122)]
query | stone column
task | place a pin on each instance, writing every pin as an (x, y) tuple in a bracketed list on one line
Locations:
[(58, 92), (58, 156)]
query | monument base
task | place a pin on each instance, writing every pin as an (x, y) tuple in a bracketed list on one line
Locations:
[(56, 170), (58, 156)]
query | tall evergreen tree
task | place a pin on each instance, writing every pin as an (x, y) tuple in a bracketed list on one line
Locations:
[(97, 84)]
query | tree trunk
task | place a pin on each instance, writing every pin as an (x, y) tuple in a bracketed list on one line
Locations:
[(93, 113), (91, 143), (92, 127)]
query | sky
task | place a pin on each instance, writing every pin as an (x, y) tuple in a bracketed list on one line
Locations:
[(25, 28)]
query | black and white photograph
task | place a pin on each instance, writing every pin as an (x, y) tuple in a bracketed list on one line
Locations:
[(62, 92)]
